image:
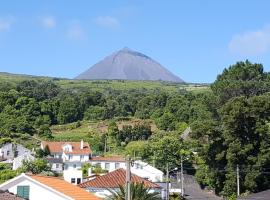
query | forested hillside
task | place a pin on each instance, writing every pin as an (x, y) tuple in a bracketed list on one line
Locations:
[(229, 122)]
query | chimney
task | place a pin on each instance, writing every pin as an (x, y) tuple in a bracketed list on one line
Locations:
[(81, 144)]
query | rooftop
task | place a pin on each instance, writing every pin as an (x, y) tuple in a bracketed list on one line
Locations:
[(57, 147), (109, 159), (114, 179), (64, 187)]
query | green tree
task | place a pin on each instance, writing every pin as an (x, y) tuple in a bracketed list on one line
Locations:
[(137, 192)]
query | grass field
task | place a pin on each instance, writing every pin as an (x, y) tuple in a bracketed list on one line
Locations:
[(101, 85), (73, 132)]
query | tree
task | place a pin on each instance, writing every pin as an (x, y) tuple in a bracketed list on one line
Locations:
[(36, 166), (137, 192), (95, 113), (243, 78)]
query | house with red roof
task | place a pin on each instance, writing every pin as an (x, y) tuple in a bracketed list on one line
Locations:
[(100, 185), (73, 156), (35, 187), (140, 168)]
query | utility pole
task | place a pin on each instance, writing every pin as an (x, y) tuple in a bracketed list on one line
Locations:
[(167, 183), (128, 179), (182, 177), (105, 145), (238, 180)]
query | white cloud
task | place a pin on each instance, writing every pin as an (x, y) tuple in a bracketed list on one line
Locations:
[(107, 22), (251, 43), (5, 23), (48, 22), (75, 32)]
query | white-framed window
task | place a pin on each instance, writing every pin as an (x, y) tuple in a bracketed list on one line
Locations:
[(74, 166), (56, 165), (70, 157), (82, 157), (8, 153), (73, 180), (107, 166), (117, 165)]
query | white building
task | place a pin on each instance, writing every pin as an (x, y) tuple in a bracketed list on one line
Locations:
[(139, 168), (109, 163), (73, 156), (35, 187), (10, 151), (100, 185), (18, 161)]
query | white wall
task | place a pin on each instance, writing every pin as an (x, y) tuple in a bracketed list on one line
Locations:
[(69, 174), (75, 158), (111, 165), (139, 168), (37, 192)]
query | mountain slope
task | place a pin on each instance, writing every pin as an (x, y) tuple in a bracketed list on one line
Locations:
[(127, 64)]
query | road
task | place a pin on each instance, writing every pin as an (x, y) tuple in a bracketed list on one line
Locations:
[(194, 192)]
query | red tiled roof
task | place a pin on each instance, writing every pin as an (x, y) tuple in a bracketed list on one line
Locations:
[(57, 147), (109, 159), (114, 179), (64, 187)]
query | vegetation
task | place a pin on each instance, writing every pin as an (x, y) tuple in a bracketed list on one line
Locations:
[(137, 192), (229, 121)]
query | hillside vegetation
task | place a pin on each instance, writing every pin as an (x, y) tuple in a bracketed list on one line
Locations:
[(229, 121)]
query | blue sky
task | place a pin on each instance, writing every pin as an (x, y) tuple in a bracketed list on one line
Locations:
[(195, 40)]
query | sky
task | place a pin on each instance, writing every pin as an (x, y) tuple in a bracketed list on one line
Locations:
[(193, 39)]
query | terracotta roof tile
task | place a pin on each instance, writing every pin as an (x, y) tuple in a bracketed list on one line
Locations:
[(114, 179), (56, 147), (64, 187), (108, 158)]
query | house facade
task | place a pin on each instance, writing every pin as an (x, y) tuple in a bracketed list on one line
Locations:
[(73, 156), (100, 185), (10, 151), (35, 187), (138, 167), (110, 163)]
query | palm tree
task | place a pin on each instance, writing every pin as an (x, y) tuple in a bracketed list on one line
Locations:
[(137, 192)]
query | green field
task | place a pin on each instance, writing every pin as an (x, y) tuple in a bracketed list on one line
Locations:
[(101, 85)]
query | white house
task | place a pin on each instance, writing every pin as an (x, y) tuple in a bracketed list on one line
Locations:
[(10, 151), (35, 187), (56, 164), (100, 185), (73, 156), (109, 163), (147, 171), (18, 161), (138, 167)]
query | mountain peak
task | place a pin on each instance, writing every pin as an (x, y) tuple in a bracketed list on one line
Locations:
[(127, 64), (126, 49)]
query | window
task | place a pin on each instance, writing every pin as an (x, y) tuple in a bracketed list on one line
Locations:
[(98, 165), (70, 157), (74, 166), (81, 157), (16, 154), (117, 165), (56, 165), (73, 180), (23, 191), (107, 166), (7, 153), (78, 180)]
